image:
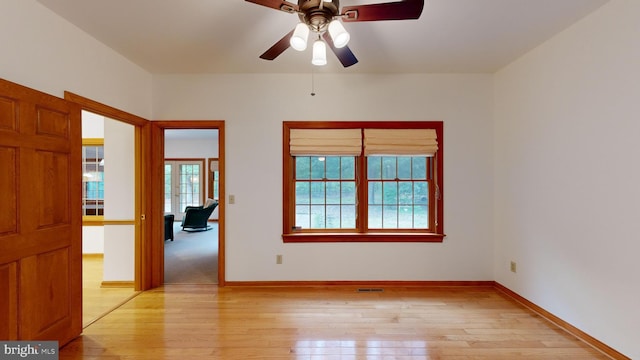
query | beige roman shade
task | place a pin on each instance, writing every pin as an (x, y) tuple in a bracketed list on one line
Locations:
[(415, 142), (214, 165), (309, 142)]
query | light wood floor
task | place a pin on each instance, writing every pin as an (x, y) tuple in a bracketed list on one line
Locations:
[(96, 301), (207, 322)]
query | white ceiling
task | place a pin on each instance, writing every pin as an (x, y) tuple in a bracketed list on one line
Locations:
[(227, 36)]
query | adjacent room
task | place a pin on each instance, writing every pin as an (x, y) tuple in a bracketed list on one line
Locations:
[(192, 183)]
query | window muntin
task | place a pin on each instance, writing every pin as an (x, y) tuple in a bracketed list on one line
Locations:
[(413, 209)]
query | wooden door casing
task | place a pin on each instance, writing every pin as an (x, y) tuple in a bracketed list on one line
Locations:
[(41, 222)]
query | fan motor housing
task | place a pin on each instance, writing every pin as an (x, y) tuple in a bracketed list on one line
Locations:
[(318, 13)]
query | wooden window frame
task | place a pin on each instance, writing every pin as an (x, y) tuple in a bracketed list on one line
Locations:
[(361, 234)]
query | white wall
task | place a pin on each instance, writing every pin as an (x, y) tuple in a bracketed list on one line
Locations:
[(254, 106), (45, 52), (93, 240), (119, 200), (119, 170), (190, 148), (567, 193)]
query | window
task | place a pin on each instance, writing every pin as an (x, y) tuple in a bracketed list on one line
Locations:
[(325, 192), (362, 181), (93, 178), (214, 179)]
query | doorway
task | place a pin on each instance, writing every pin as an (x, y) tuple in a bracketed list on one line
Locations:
[(126, 224), (211, 134), (108, 214), (190, 257)]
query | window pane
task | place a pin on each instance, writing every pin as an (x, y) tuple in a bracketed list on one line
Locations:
[(348, 166), (375, 217), (375, 192), (303, 193), (317, 217), (419, 168), (404, 167), (349, 216), (303, 220), (390, 190), (349, 193), (389, 168), (333, 167), (390, 217), (317, 193), (421, 192), (303, 168), (333, 192), (317, 168), (374, 167), (405, 192), (405, 217), (421, 217), (333, 217)]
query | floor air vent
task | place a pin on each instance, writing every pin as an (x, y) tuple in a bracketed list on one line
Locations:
[(370, 290)]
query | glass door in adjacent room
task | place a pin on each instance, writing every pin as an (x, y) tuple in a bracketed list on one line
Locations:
[(184, 185)]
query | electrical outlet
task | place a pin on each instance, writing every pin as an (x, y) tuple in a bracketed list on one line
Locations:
[(513, 267), (278, 259), (232, 199)]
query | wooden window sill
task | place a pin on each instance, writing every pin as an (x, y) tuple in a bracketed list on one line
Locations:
[(362, 237)]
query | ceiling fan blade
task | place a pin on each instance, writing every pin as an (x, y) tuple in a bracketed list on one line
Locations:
[(277, 4), (344, 54), (277, 48), (400, 10)]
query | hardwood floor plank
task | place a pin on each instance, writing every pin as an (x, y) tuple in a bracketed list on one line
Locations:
[(207, 322)]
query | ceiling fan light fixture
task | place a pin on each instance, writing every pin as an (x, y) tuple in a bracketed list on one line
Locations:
[(319, 53), (339, 34), (299, 38)]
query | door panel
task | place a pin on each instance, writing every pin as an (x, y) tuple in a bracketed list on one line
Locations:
[(8, 189), (40, 233), (54, 314), (8, 302)]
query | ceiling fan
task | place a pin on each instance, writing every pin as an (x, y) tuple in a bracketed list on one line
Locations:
[(323, 18)]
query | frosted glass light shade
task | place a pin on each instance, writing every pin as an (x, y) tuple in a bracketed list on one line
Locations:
[(298, 40), (339, 35), (319, 53)]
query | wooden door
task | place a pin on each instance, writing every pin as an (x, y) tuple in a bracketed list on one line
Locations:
[(40, 216)]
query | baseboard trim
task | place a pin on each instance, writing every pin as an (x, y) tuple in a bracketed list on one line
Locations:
[(593, 342), (117, 284), (390, 283)]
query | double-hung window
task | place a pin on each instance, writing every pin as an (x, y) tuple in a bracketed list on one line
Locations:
[(362, 181)]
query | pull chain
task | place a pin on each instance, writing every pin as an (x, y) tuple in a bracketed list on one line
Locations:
[(313, 87)]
